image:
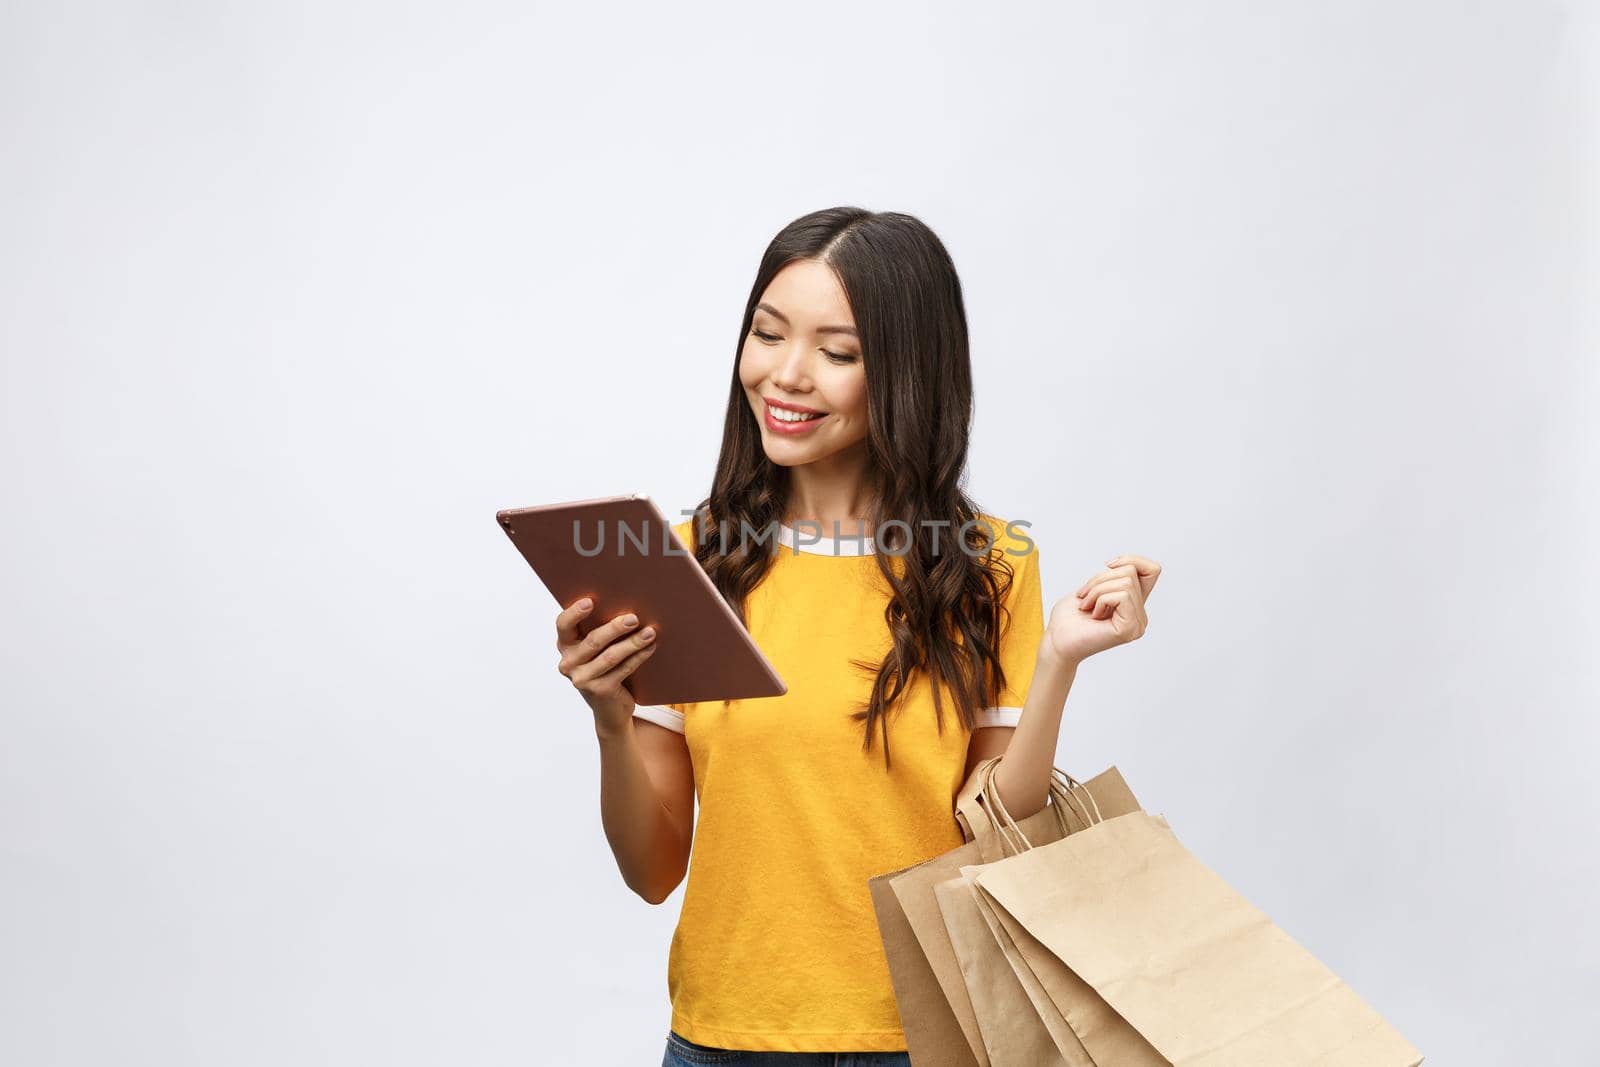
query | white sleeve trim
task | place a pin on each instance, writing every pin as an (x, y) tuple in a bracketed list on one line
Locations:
[(661, 716), (998, 717)]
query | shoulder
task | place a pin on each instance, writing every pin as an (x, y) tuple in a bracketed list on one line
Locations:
[(1012, 539), (684, 531)]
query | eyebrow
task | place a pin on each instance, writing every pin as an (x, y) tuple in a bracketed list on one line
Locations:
[(781, 317)]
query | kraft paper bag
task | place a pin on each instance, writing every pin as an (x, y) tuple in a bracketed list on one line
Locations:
[(1062, 998), (932, 1000), (1012, 1032), (933, 1034), (935, 1009), (1011, 1028), (1083, 1027), (1202, 975)]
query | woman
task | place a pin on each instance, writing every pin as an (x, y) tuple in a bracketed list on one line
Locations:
[(838, 528)]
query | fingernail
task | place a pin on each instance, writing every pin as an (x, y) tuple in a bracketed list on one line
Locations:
[(647, 634), (630, 620), (585, 604)]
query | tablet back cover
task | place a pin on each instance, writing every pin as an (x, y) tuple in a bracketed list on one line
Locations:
[(622, 552)]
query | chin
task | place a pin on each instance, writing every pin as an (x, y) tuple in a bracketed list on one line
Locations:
[(791, 457)]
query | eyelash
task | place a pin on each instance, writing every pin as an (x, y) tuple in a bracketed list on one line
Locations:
[(837, 357)]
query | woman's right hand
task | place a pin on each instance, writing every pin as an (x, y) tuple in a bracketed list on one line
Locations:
[(597, 663)]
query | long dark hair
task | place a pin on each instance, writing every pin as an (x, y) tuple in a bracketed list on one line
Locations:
[(945, 612)]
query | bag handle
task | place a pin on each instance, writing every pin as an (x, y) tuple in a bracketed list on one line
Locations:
[(975, 816), (1002, 817), (1071, 787), (970, 812), (1062, 789), (985, 805)]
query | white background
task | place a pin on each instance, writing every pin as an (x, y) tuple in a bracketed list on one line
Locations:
[(1298, 299)]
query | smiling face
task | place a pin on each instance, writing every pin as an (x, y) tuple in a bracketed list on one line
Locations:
[(801, 367)]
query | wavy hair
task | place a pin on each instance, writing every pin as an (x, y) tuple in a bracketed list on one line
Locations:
[(945, 613)]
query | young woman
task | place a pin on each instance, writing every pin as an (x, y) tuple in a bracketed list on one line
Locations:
[(908, 625)]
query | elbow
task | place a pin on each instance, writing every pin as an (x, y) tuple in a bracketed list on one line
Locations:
[(1020, 802), (655, 875), (1029, 810), (655, 894), (1028, 806), (657, 890)]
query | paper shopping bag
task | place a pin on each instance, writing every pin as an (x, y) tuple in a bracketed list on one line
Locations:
[(935, 1010), (1013, 1031), (933, 1034), (1173, 951), (1082, 1026), (932, 1001), (1062, 999)]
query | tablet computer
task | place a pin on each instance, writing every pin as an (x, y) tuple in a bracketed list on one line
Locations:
[(621, 551)]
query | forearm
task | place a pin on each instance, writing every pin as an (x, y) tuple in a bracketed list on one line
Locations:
[(1022, 777), (650, 851)]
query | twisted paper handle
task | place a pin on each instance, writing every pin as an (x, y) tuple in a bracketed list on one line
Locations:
[(1063, 791)]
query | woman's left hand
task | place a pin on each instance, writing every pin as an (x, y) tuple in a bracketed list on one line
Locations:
[(1106, 611)]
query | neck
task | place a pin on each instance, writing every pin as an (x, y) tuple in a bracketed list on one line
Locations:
[(832, 489)]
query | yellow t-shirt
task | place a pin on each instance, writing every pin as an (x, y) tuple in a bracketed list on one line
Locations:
[(777, 946)]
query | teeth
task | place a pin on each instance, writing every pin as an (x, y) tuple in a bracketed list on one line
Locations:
[(791, 416)]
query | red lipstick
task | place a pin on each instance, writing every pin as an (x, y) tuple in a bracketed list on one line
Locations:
[(791, 426)]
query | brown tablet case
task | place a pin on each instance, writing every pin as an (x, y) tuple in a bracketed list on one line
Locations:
[(622, 552)]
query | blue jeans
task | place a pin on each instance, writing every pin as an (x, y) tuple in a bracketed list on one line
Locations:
[(681, 1052)]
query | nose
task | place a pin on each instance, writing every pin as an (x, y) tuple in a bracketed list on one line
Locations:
[(791, 372)]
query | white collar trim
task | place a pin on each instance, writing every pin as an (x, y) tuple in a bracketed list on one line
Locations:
[(807, 540)]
